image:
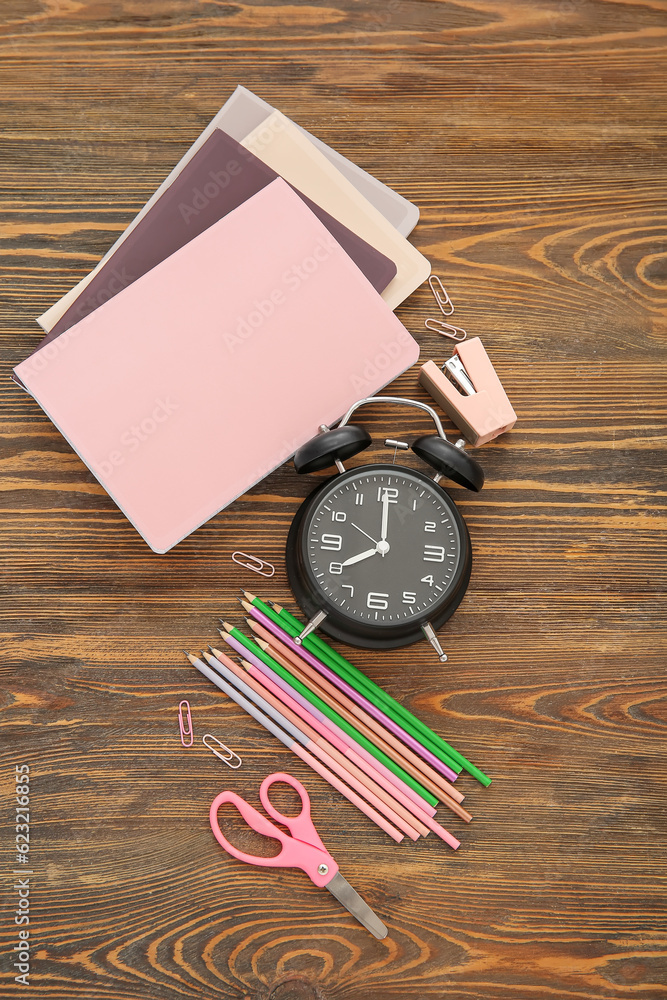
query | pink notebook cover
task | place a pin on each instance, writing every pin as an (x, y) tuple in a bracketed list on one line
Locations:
[(204, 375)]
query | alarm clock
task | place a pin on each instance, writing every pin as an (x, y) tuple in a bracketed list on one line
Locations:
[(379, 556)]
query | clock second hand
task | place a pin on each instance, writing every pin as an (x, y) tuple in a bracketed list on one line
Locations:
[(363, 532)]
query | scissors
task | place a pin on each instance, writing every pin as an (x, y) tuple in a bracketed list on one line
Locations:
[(303, 849)]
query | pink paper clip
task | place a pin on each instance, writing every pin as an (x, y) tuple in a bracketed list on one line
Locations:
[(254, 563), (470, 392), (185, 723)]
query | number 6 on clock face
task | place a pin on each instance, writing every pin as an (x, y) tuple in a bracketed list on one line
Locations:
[(402, 555)]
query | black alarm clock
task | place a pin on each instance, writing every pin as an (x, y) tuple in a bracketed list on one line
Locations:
[(379, 556)]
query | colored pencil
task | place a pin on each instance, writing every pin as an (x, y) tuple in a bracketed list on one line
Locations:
[(421, 815), (383, 740), (403, 713), (255, 693), (296, 748), (356, 679), (447, 767), (326, 731), (242, 644), (451, 800), (342, 740), (356, 704), (362, 683)]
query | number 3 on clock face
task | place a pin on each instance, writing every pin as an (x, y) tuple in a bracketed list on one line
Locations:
[(382, 550)]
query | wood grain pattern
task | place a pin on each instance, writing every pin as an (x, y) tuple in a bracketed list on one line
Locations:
[(531, 133)]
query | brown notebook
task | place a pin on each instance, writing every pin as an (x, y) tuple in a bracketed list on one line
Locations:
[(218, 178)]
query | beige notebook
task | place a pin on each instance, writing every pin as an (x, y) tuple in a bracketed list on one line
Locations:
[(280, 144)]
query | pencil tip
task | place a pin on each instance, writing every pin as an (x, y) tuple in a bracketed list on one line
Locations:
[(251, 597), (186, 653), (227, 627)]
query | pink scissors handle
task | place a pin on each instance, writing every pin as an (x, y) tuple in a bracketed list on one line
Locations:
[(314, 860), (300, 826)]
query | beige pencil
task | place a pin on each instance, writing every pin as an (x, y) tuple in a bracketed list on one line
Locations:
[(344, 768), (352, 713)]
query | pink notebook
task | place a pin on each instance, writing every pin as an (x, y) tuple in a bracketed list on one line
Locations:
[(204, 375)]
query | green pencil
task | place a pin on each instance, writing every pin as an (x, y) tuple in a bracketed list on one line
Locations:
[(357, 679), (305, 692)]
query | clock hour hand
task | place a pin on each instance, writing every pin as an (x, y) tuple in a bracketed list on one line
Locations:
[(362, 555)]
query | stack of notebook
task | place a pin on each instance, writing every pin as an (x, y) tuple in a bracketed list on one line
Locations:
[(249, 302)]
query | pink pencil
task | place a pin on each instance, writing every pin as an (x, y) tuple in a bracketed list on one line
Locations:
[(331, 738), (346, 770), (354, 695), (292, 744), (324, 725), (421, 814)]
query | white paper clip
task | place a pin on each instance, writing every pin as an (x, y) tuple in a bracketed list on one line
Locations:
[(254, 563), (230, 753)]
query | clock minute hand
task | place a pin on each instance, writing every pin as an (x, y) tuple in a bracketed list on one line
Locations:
[(383, 544), (385, 517), (362, 555)]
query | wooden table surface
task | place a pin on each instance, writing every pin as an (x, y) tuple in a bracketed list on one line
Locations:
[(531, 135)]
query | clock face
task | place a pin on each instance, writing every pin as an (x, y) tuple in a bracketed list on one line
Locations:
[(383, 546)]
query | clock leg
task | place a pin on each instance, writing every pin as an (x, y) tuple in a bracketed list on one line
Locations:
[(427, 629), (310, 627)]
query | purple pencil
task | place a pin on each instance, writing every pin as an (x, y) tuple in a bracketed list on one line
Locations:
[(327, 723), (347, 689)]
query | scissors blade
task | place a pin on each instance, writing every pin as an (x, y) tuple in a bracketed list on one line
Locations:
[(352, 901)]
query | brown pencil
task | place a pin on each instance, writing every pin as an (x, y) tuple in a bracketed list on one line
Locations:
[(315, 677), (344, 768), (449, 796)]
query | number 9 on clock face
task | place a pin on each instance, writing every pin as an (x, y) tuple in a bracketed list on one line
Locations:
[(382, 550)]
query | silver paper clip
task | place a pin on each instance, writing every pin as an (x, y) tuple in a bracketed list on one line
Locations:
[(230, 753), (254, 563)]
